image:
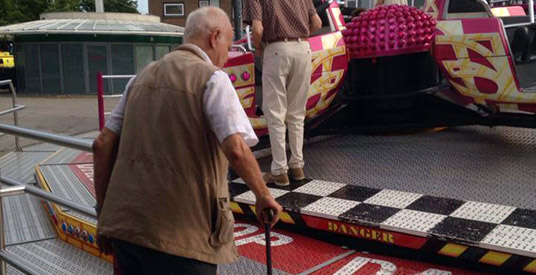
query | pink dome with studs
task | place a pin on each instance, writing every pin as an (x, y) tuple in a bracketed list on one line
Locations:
[(389, 30)]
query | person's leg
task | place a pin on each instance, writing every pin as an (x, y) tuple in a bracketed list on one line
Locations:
[(157, 262), (134, 260), (299, 82), (127, 257), (276, 66)]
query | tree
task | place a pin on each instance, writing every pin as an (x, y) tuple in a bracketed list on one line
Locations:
[(129, 6), (17, 11)]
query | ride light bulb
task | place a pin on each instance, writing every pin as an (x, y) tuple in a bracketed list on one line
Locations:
[(246, 76), (232, 77)]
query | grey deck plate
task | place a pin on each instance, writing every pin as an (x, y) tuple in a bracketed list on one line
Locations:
[(26, 220), (42, 147), (65, 155), (245, 266), (64, 183), (21, 165), (57, 257), (494, 165)]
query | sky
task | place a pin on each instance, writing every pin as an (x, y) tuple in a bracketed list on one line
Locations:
[(143, 7)]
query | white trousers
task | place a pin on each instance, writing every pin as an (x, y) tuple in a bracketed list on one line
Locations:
[(286, 78)]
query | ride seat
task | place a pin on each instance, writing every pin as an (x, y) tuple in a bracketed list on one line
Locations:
[(520, 44)]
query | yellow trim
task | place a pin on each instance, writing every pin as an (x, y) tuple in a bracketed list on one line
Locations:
[(495, 258), (51, 155), (284, 217), (531, 267), (72, 220), (236, 208), (453, 250)]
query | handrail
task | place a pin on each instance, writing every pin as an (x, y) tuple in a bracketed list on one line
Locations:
[(14, 108), (101, 96), (11, 110), (248, 38), (38, 192), (75, 143), (239, 47)]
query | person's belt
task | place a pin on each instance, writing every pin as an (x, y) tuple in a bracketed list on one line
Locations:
[(287, 40)]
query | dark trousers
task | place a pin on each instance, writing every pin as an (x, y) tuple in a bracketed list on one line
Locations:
[(135, 259)]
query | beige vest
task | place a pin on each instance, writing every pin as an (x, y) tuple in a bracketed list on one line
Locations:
[(168, 190)]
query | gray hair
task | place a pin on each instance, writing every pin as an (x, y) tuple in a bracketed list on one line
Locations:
[(203, 21)]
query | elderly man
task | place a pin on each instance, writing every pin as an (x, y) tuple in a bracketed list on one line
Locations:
[(280, 31), (162, 160)]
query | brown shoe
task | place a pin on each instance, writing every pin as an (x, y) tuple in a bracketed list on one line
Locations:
[(297, 173), (279, 180)]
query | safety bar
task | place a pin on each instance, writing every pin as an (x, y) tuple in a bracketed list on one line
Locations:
[(101, 96), (240, 48), (531, 11), (38, 192), (14, 108), (9, 111), (248, 38), (75, 143)]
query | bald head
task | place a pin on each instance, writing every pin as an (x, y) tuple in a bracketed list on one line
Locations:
[(204, 21), (210, 29)]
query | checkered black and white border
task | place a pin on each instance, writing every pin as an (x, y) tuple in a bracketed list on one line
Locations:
[(498, 227)]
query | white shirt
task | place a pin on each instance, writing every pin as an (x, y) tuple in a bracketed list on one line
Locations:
[(220, 104)]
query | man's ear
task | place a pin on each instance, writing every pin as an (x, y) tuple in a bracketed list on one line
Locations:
[(214, 36)]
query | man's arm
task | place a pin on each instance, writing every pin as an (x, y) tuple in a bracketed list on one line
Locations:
[(104, 153), (257, 32), (315, 24), (245, 164)]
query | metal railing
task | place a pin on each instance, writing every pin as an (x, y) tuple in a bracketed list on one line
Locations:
[(18, 188), (101, 96), (15, 107)]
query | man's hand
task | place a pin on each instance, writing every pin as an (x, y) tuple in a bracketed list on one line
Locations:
[(265, 202), (105, 244), (245, 164), (259, 51)]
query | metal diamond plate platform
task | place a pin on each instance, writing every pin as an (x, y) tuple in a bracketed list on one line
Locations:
[(378, 179), (474, 163), (25, 218), (58, 257)]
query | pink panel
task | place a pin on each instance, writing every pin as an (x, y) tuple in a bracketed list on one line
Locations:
[(315, 43), (239, 58), (444, 52), (486, 44), (441, 6), (481, 25), (516, 11), (335, 5), (486, 86), (477, 58), (527, 107)]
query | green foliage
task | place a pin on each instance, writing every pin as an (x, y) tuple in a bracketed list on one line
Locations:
[(130, 6), (17, 11)]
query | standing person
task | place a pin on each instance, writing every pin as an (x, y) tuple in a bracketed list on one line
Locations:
[(391, 2), (161, 161), (280, 29)]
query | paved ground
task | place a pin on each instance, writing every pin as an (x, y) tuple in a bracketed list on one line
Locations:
[(58, 114)]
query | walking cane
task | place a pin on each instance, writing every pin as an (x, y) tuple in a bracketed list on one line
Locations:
[(269, 216)]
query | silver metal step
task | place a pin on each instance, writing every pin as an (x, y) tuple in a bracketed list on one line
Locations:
[(57, 257)]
